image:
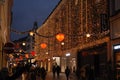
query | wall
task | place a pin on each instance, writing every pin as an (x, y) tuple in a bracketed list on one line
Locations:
[(5, 20)]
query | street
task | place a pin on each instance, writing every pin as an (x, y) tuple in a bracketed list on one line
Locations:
[(62, 77)]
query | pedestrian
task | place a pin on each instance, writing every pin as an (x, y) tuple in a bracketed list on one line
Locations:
[(37, 71), (43, 73), (58, 69), (4, 73), (67, 72), (32, 73), (54, 70)]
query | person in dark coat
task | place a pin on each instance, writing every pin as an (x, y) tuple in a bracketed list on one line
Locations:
[(33, 73), (58, 69), (4, 74), (67, 72), (37, 71), (43, 73), (54, 71)]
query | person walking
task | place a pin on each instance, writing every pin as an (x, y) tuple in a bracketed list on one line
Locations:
[(43, 73), (67, 72), (54, 70), (38, 71), (33, 74), (58, 69), (4, 73)]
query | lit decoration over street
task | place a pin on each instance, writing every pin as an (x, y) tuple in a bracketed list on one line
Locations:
[(33, 53), (75, 19), (88, 35), (23, 43), (62, 43), (26, 55), (60, 37), (43, 45), (31, 33)]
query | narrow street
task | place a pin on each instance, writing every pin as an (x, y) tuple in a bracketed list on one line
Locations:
[(77, 38), (62, 77), (49, 76)]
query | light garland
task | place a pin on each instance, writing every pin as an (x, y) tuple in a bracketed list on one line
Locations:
[(18, 32), (50, 36)]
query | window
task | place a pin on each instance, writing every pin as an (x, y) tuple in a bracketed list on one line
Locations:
[(114, 7), (115, 29), (97, 1), (2, 1), (117, 6)]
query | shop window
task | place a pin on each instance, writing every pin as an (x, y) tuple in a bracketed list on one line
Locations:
[(117, 5), (115, 29)]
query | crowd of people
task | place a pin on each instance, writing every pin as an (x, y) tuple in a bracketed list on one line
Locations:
[(25, 72), (4, 72), (35, 72), (56, 71), (31, 72)]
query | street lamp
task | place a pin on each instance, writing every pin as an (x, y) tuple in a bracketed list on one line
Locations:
[(88, 35), (31, 33), (23, 43), (62, 43)]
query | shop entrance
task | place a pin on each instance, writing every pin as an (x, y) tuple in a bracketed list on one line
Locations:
[(116, 52), (94, 58)]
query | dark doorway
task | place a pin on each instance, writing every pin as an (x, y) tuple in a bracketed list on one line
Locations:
[(95, 57)]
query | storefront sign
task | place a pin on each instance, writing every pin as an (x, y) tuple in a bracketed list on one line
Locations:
[(116, 47), (8, 48)]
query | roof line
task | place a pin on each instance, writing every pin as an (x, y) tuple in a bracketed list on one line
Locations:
[(52, 11)]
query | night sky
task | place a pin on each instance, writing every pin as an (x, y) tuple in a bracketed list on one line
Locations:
[(26, 12)]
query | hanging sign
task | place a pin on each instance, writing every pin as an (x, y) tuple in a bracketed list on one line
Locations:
[(8, 48)]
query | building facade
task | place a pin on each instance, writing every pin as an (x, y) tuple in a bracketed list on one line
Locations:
[(75, 19), (115, 36), (5, 23)]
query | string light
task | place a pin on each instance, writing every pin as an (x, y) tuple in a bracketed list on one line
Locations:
[(23, 43), (31, 33), (87, 24), (51, 36), (88, 35)]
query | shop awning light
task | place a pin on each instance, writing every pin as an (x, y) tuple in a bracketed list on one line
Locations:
[(68, 54), (116, 47)]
